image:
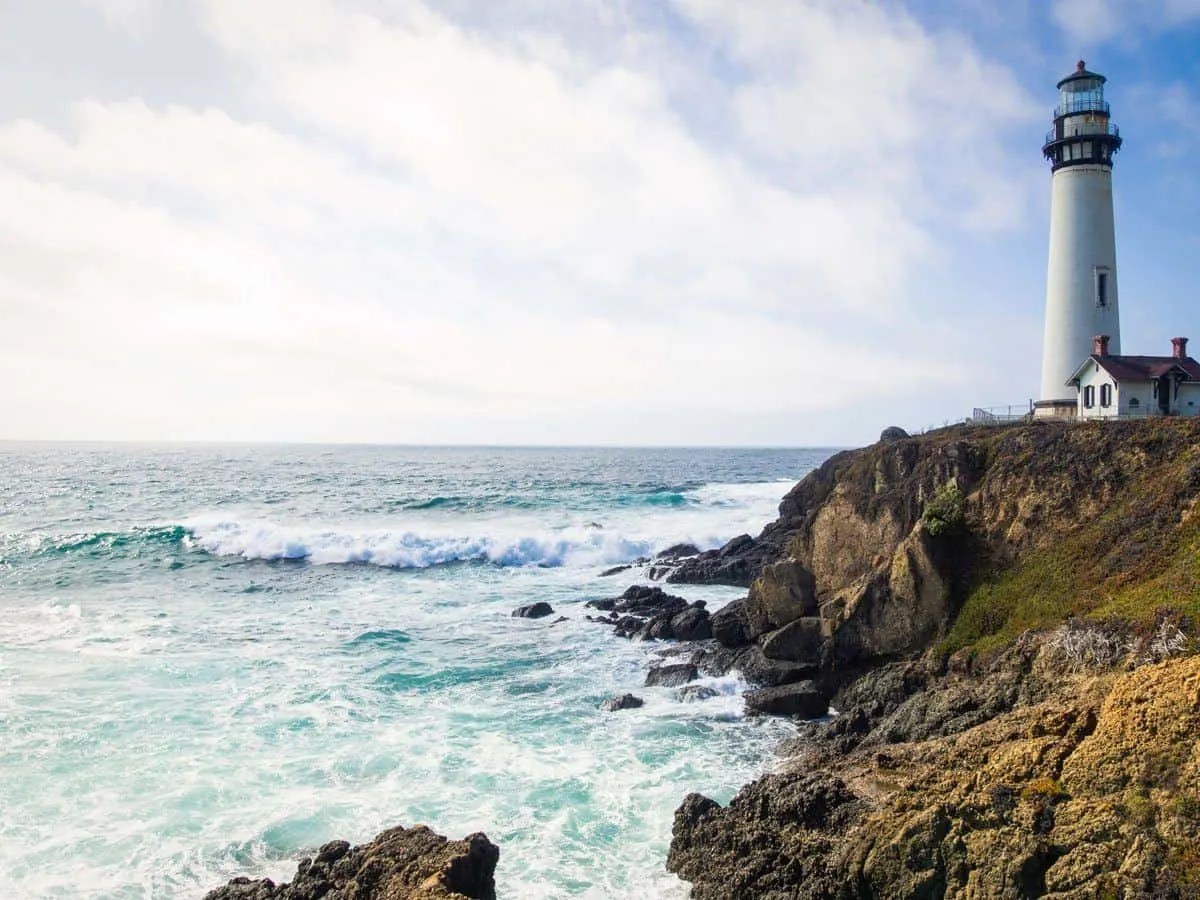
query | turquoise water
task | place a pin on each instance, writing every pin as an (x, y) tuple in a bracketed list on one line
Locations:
[(213, 659)]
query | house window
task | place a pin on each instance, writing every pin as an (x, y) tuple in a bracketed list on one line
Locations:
[(1101, 288), (1089, 397), (1134, 403), (1106, 395)]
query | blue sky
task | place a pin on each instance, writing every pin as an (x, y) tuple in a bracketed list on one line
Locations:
[(606, 221)]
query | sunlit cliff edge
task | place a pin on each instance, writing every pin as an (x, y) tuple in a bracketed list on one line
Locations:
[(1003, 619)]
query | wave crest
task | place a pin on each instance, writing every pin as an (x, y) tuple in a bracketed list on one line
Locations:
[(412, 550)]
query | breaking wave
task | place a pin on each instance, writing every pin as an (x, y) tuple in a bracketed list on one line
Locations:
[(661, 515), (396, 549)]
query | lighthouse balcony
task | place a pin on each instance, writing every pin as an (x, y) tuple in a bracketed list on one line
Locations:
[(1088, 132)]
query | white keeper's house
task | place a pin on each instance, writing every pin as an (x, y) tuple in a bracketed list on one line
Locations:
[(1082, 312), (1110, 386)]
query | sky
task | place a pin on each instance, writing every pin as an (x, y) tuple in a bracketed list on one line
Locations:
[(630, 222)]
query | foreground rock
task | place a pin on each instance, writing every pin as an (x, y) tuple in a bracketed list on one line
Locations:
[(538, 610), (1028, 779), (399, 864)]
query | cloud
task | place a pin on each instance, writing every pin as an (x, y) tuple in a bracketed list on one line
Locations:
[(418, 223), (132, 16), (1094, 22)]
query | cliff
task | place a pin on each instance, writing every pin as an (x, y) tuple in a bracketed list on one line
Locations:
[(970, 537), (1002, 619)]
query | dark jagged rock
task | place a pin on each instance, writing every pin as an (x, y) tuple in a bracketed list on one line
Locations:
[(693, 624), (893, 433), (757, 669), (730, 626), (538, 610), (677, 551), (625, 701), (672, 676), (773, 840), (802, 699), (615, 570), (694, 693), (799, 641), (648, 600), (399, 864), (646, 612), (717, 661)]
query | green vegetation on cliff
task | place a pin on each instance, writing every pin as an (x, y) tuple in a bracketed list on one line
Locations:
[(1128, 548)]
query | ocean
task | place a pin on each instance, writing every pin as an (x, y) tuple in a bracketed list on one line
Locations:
[(215, 658)]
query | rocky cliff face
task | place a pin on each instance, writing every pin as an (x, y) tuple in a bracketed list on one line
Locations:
[(1002, 619), (399, 864), (852, 571), (1027, 780)]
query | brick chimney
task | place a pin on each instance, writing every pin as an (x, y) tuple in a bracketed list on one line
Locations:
[(1179, 348), (1100, 345)]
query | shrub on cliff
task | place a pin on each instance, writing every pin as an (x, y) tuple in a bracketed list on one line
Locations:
[(946, 512)]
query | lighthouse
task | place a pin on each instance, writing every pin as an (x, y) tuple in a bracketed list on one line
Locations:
[(1081, 281)]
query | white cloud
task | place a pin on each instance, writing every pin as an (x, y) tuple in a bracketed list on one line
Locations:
[(419, 221), (132, 16), (1094, 22)]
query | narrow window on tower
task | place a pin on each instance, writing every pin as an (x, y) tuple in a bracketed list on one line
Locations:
[(1101, 288)]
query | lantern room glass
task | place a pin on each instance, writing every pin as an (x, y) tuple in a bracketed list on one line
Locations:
[(1082, 95)]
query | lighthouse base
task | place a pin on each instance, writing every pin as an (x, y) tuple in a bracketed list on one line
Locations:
[(1055, 409)]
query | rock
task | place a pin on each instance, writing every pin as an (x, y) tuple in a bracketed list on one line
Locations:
[(799, 641), (757, 669), (657, 629), (533, 611), (677, 551), (729, 624), (736, 563), (647, 612), (648, 600), (1085, 786), (399, 863), (694, 693), (784, 592), (560, 619), (625, 701), (893, 433), (672, 676), (693, 624), (737, 545), (717, 661), (615, 570), (772, 841), (802, 699)]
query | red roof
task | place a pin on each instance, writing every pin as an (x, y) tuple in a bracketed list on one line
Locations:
[(1147, 368)]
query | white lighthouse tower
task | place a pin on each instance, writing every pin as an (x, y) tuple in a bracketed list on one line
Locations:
[(1081, 283)]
